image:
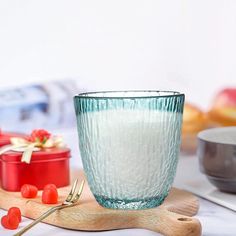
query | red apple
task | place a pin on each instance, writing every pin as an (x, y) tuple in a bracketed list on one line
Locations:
[(225, 98), (223, 110)]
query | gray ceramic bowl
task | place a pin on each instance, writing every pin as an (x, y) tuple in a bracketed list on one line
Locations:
[(217, 157)]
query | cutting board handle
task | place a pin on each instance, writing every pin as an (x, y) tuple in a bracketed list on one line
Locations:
[(170, 223)]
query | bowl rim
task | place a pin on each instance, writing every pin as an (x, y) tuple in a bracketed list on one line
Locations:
[(100, 94), (202, 135)]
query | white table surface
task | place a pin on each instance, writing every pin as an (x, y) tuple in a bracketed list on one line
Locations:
[(216, 220)]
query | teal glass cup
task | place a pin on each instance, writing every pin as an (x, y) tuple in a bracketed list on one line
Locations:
[(129, 143)]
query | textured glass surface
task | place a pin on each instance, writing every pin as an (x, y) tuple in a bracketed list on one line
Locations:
[(129, 143)]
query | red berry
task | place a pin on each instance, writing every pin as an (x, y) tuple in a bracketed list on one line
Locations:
[(50, 196), (50, 186), (4, 222), (10, 221), (13, 221), (15, 211), (29, 191)]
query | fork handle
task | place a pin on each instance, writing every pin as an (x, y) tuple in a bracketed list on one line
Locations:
[(39, 219)]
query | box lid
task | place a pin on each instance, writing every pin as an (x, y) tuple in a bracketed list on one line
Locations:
[(5, 137), (47, 154)]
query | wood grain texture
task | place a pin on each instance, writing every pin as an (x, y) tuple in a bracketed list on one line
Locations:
[(172, 218)]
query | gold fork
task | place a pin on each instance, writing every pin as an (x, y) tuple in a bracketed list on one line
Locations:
[(71, 199)]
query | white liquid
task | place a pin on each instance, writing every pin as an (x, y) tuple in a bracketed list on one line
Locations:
[(130, 154)]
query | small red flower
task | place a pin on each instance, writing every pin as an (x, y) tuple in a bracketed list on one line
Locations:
[(39, 135)]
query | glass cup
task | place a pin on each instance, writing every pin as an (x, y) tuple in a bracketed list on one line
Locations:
[(129, 143)]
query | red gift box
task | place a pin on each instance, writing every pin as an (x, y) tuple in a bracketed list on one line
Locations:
[(5, 140), (47, 166)]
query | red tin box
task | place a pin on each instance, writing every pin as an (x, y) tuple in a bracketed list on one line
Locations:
[(46, 166)]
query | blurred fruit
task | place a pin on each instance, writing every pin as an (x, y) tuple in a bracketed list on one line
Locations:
[(194, 120), (226, 97), (223, 110)]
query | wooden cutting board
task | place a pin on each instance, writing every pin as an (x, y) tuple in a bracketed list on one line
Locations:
[(172, 218)]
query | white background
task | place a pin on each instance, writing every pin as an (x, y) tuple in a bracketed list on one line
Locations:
[(181, 45)]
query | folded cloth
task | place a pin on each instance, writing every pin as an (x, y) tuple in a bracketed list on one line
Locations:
[(47, 105)]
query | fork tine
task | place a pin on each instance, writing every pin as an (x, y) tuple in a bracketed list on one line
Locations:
[(72, 191), (77, 196)]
